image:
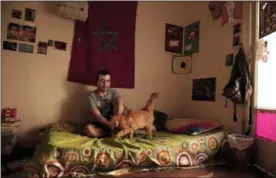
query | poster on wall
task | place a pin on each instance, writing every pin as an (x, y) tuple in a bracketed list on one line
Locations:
[(17, 14), (21, 32), (191, 39), (174, 39), (7, 45), (30, 15), (42, 47), (204, 89), (26, 48), (267, 18)]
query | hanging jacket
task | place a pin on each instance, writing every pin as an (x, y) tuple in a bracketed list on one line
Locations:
[(239, 87)]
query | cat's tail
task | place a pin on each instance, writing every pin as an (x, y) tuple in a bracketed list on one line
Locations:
[(151, 102)]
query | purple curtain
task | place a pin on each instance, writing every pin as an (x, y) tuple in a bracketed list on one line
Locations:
[(105, 41)]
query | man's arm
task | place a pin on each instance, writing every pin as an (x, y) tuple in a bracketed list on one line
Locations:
[(118, 104), (97, 116)]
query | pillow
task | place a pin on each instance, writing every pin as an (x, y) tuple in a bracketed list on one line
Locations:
[(160, 119), (190, 126)]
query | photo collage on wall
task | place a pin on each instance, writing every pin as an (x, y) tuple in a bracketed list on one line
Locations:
[(22, 37)]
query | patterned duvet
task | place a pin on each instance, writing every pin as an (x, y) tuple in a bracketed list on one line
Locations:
[(64, 154)]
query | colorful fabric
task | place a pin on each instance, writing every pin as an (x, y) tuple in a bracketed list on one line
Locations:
[(63, 154), (105, 41)]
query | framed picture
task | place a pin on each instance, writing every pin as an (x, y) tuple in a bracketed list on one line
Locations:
[(50, 42), (174, 39), (29, 14), (27, 48), (191, 39), (17, 14), (42, 48), (21, 32), (229, 60), (60, 45), (12, 46), (204, 89)]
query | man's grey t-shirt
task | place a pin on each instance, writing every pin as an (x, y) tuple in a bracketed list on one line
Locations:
[(105, 104)]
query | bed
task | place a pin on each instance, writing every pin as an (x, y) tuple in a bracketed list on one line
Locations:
[(65, 154)]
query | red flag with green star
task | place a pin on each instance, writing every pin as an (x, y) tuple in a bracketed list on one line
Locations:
[(105, 41)]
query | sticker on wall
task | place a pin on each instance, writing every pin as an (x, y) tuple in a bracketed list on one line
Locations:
[(29, 14), (60, 45), (21, 32), (42, 48), (204, 89), (229, 60), (181, 64), (191, 39), (12, 46), (17, 14), (173, 38), (27, 48), (50, 42)]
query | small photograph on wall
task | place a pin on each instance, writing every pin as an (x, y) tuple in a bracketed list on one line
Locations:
[(204, 89), (229, 60), (50, 42), (17, 14), (27, 48), (21, 32), (60, 45), (191, 39), (42, 48), (174, 39), (29, 14), (12, 46)]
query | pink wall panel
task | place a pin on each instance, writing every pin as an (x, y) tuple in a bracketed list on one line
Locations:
[(266, 125)]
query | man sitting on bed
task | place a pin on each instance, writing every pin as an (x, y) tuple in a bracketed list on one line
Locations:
[(104, 102)]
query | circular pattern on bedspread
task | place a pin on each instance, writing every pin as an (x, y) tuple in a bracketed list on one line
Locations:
[(78, 169), (124, 164), (141, 157), (183, 159), (194, 145), (212, 143), (86, 152), (200, 158), (103, 160), (164, 158), (201, 140), (149, 152), (185, 145), (119, 155), (72, 157), (53, 169)]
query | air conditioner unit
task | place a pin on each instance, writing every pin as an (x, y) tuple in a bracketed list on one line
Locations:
[(73, 10)]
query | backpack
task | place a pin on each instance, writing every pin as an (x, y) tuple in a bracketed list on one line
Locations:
[(239, 87)]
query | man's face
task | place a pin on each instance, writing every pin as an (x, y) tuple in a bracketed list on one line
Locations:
[(104, 82)]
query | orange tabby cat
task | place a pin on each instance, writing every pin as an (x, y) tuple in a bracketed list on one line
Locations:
[(132, 121)]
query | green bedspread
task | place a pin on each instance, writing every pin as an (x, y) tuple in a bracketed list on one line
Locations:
[(65, 153)]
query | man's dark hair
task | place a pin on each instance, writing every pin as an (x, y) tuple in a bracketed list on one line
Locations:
[(102, 72)]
